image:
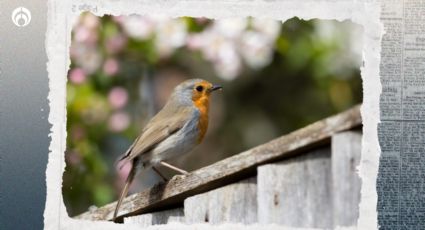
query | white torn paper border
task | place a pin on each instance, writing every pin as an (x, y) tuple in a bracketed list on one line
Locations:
[(62, 15)]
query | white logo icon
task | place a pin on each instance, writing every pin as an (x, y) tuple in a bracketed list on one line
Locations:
[(21, 16)]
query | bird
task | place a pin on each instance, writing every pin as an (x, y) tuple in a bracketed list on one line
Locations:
[(174, 131)]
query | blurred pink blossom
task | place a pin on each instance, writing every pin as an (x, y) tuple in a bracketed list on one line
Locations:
[(87, 57), (230, 67), (118, 97), (110, 67), (115, 43), (90, 21), (226, 41), (73, 157), (194, 41), (230, 27), (268, 27), (170, 34), (85, 29), (213, 44), (77, 132), (81, 33), (222, 52), (256, 49), (77, 76), (76, 49), (118, 122), (138, 27)]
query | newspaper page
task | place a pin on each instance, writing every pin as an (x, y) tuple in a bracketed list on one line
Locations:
[(401, 178)]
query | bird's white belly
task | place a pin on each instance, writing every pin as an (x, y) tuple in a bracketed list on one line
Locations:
[(179, 143)]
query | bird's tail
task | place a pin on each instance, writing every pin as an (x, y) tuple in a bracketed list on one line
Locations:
[(124, 192)]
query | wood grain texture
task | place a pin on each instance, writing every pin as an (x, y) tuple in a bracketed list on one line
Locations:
[(297, 192), (346, 151), (163, 217), (230, 169), (234, 203)]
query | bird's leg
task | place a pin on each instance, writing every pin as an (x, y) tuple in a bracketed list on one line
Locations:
[(174, 168), (159, 174)]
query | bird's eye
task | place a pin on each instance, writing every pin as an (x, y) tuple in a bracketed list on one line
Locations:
[(199, 88)]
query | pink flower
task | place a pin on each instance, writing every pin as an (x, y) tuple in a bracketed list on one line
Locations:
[(77, 76), (118, 122), (138, 27), (230, 27), (73, 157), (268, 27), (228, 67), (91, 21), (81, 34), (194, 41), (118, 97), (256, 49), (77, 132), (110, 67), (115, 43), (87, 57), (170, 35), (85, 35)]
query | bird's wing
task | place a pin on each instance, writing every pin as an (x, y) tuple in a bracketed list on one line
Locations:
[(158, 129)]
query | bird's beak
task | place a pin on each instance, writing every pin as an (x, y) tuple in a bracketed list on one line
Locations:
[(216, 87)]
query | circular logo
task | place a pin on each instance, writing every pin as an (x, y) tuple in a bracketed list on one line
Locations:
[(21, 16)]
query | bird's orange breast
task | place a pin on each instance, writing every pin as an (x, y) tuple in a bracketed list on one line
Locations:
[(202, 103)]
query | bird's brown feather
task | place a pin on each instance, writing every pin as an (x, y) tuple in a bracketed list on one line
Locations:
[(158, 129)]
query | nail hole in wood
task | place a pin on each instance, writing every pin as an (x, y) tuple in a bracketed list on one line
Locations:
[(276, 199), (206, 219)]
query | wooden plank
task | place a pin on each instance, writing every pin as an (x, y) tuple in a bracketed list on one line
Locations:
[(163, 217), (230, 169), (234, 203), (346, 150), (297, 192)]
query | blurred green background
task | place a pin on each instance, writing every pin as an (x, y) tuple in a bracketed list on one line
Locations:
[(276, 78)]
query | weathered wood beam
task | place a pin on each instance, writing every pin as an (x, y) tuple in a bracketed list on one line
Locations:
[(346, 151), (233, 203), (297, 192), (163, 217), (230, 169)]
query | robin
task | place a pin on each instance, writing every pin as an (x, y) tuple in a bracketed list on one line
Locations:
[(175, 130)]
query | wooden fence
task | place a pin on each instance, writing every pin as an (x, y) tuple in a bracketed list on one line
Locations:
[(304, 179)]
